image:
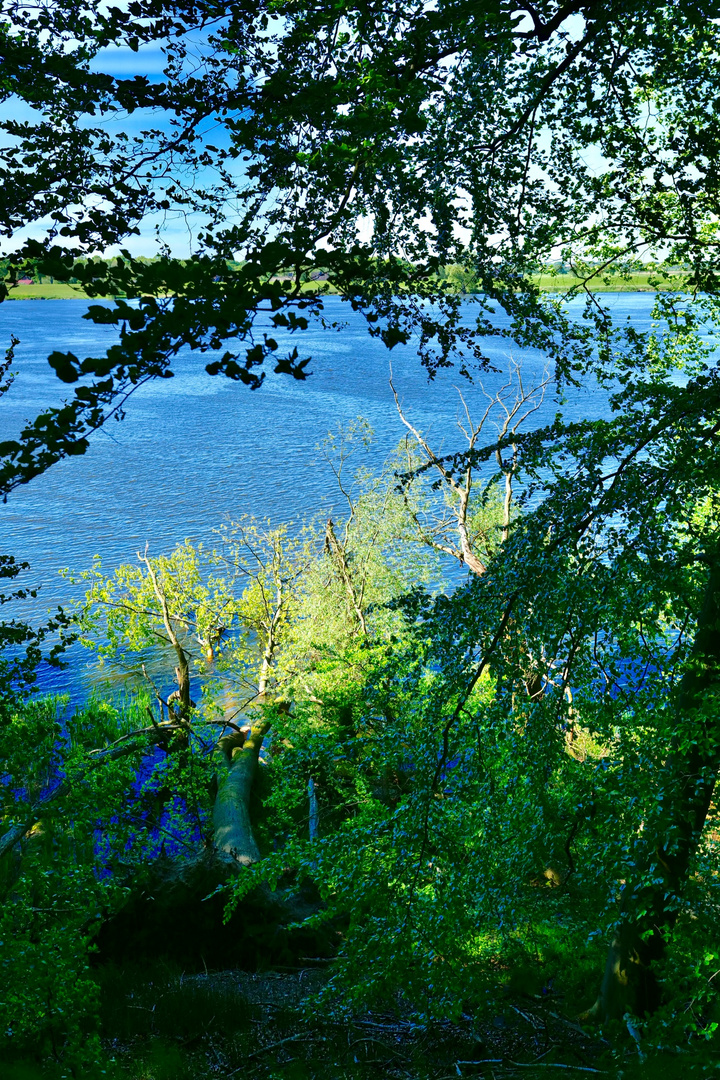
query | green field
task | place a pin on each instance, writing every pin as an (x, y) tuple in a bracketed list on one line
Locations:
[(548, 283), (639, 282), (46, 292)]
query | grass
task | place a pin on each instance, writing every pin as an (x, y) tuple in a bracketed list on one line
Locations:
[(639, 282), (548, 283), (46, 292)]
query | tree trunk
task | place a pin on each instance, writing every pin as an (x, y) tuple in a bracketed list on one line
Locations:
[(313, 810), (233, 832), (338, 553), (182, 671), (652, 902)]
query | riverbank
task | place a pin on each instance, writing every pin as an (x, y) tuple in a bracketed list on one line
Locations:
[(551, 283), (640, 282), (58, 291)]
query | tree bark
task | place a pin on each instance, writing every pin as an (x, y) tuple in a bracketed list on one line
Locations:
[(182, 671), (653, 900), (237, 767), (313, 810), (337, 552), (468, 556)]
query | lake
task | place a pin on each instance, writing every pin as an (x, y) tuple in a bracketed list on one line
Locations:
[(196, 451)]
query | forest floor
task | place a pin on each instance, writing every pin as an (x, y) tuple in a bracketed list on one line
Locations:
[(163, 1024), (268, 1026)]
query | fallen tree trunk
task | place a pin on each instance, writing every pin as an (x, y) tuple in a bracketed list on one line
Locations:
[(237, 768), (178, 906)]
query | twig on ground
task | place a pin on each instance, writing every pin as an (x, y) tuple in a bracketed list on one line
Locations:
[(265, 1049), (552, 1065), (576, 1027), (530, 1019), (392, 1025), (482, 1061), (369, 1039)]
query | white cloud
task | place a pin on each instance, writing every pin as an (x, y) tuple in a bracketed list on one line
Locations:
[(123, 63)]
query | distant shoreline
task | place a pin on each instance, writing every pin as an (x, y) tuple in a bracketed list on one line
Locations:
[(548, 283), (47, 292)]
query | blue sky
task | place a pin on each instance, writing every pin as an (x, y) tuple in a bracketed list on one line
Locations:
[(178, 232)]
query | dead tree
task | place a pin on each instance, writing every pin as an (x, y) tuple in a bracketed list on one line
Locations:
[(453, 535)]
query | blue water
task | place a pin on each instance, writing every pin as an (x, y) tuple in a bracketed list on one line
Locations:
[(195, 451)]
